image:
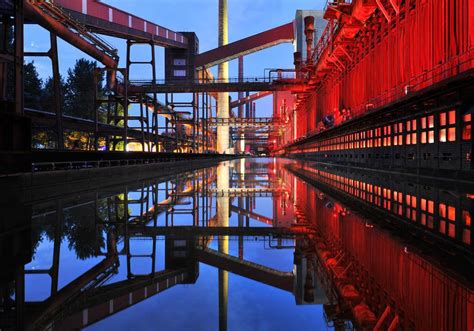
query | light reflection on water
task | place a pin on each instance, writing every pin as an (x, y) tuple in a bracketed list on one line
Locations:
[(245, 245)]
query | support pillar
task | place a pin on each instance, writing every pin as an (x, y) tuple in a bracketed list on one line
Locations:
[(223, 76), (19, 19), (57, 91), (241, 107), (295, 123), (241, 204)]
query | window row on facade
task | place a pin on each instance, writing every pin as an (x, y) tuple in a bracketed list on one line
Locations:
[(441, 127), (440, 216)]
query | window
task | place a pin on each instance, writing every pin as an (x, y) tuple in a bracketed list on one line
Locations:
[(466, 220), (427, 134), (387, 139), (447, 218), (378, 140), (411, 203), (426, 212), (410, 132), (387, 197), (398, 134), (179, 62), (369, 138), (447, 126), (179, 73), (397, 207), (466, 127)]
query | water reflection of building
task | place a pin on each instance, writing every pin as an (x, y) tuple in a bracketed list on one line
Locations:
[(411, 270), (341, 259)]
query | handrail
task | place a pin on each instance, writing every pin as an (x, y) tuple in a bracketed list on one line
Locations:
[(56, 12), (418, 82)]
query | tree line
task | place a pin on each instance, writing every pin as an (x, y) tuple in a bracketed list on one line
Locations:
[(76, 89), (77, 98)]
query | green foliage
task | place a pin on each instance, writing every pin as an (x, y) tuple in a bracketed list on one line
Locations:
[(33, 87), (79, 95), (77, 98), (48, 94), (43, 139), (84, 227)]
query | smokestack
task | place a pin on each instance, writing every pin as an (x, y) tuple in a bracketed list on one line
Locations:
[(223, 76), (309, 32)]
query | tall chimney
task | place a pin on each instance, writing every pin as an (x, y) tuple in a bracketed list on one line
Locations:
[(223, 76), (309, 32)]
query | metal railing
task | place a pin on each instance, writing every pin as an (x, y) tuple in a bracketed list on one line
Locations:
[(270, 76), (335, 3), (180, 82), (454, 66), (56, 12)]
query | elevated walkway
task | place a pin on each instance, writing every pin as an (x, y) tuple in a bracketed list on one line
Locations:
[(231, 85), (196, 231), (268, 276), (102, 18)]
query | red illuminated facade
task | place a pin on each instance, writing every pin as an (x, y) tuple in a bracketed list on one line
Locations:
[(390, 74)]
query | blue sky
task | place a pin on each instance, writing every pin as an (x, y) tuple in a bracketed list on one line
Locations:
[(246, 17)]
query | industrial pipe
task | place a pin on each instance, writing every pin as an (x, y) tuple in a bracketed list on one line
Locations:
[(297, 62)]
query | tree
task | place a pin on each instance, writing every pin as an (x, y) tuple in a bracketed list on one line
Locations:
[(33, 87), (84, 236), (48, 93), (79, 95)]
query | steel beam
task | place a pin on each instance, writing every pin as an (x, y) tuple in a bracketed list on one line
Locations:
[(253, 97), (19, 37), (266, 39)]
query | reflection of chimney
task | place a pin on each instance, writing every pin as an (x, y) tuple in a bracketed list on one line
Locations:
[(222, 212), (309, 32)]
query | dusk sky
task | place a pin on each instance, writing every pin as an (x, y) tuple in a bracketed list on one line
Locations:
[(246, 17)]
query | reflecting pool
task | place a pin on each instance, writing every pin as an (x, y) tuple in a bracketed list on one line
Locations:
[(249, 244)]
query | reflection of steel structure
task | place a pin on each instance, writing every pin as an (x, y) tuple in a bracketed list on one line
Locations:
[(244, 122), (142, 213), (251, 191)]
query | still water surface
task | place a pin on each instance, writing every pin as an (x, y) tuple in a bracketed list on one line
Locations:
[(263, 244)]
